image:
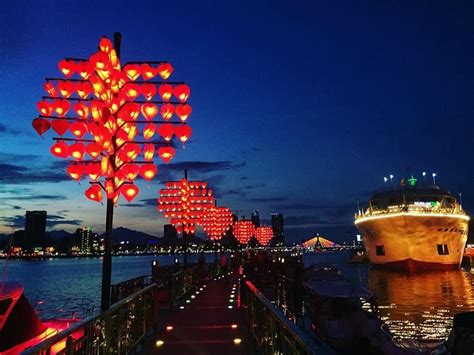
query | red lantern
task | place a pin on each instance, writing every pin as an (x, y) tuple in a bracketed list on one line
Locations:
[(167, 111), (183, 132), (100, 61), (45, 108), (131, 151), (148, 152), (148, 72), (165, 70), (78, 129), (165, 91), (67, 67), (93, 171), (75, 171), (94, 150), (264, 235), (132, 71), (132, 91), (149, 111), (148, 91), (182, 92), (131, 171), (166, 131), (94, 193), (60, 126), (85, 69), (50, 89), (41, 125), (105, 45), (84, 89), (129, 191), (61, 107), (82, 110), (149, 131), (183, 111), (148, 171), (166, 153), (243, 230), (60, 150), (77, 151), (66, 88)]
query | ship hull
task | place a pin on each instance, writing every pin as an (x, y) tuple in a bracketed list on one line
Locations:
[(414, 242)]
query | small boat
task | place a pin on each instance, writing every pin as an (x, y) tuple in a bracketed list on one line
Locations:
[(345, 316), (20, 327)]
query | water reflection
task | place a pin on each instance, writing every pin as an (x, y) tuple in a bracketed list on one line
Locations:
[(421, 306)]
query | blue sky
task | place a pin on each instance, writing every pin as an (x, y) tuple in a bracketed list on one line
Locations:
[(299, 107)]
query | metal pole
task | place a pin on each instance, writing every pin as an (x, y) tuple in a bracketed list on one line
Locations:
[(185, 235), (107, 262)]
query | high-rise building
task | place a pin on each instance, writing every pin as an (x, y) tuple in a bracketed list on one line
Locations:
[(85, 236), (35, 230), (255, 218), (278, 228)]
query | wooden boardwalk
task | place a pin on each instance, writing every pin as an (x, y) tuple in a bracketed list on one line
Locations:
[(208, 322)]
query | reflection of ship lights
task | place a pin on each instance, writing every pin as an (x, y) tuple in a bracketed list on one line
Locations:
[(411, 214)]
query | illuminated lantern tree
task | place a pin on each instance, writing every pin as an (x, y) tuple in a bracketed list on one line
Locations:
[(99, 110), (216, 222), (243, 230), (263, 235), (184, 204)]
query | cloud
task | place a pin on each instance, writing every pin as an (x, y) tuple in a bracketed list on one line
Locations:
[(5, 129), (18, 221), (37, 197), (203, 166), (18, 174), (242, 191), (268, 199)]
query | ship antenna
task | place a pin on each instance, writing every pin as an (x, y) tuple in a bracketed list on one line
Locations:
[(358, 207), (460, 200)]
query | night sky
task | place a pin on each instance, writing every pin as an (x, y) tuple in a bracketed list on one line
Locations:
[(298, 107)]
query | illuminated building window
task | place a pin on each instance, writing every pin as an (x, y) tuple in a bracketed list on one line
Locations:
[(379, 250), (443, 249)]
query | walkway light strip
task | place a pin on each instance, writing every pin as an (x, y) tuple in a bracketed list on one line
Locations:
[(410, 214)]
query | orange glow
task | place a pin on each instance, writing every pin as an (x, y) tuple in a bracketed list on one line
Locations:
[(149, 131), (60, 150), (60, 126), (96, 110), (132, 71), (166, 153), (183, 132), (77, 151), (148, 91), (45, 108), (183, 111), (182, 92), (166, 131), (149, 111), (129, 191), (165, 91), (167, 111), (165, 70), (75, 171), (67, 67), (78, 129), (148, 171)]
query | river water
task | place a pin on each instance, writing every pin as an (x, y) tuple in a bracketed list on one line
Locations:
[(414, 306)]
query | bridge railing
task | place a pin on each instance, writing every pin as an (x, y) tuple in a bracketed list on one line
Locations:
[(115, 331), (271, 330)]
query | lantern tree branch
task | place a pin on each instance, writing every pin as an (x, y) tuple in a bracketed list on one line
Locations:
[(92, 99), (136, 121), (128, 82), (82, 140)]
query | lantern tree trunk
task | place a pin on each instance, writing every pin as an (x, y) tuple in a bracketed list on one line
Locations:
[(185, 243), (107, 261)]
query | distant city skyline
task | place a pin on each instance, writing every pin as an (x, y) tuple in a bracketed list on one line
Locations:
[(300, 109)]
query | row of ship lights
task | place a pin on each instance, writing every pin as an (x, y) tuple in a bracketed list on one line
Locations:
[(391, 176)]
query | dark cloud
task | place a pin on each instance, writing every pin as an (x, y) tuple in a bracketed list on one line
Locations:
[(268, 199), (202, 166), (18, 221), (5, 129), (18, 174), (244, 178), (37, 197)]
